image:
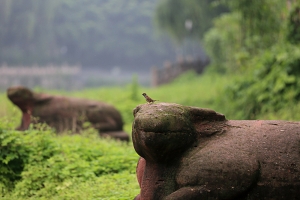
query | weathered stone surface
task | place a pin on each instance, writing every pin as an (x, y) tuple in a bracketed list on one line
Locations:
[(193, 153), (64, 113)]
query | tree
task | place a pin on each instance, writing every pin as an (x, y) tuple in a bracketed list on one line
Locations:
[(293, 27), (249, 29), (26, 30), (176, 16), (87, 32), (261, 21)]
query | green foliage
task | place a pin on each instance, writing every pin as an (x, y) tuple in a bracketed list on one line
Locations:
[(121, 186), (248, 30), (13, 156), (40, 164), (270, 87), (171, 16), (249, 43), (293, 27), (258, 19), (223, 41)]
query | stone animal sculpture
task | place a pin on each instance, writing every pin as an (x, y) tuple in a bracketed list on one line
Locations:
[(192, 153), (64, 113)]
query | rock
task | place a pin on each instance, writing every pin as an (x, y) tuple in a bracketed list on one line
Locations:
[(193, 153), (64, 113)]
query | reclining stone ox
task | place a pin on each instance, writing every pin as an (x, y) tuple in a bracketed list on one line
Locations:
[(64, 113), (192, 153)]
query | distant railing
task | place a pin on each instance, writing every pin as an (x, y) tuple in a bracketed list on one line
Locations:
[(50, 77), (170, 71)]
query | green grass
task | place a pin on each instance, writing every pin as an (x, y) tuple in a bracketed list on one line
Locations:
[(192, 90), (39, 164)]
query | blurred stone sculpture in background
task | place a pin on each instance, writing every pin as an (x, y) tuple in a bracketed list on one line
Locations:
[(65, 113)]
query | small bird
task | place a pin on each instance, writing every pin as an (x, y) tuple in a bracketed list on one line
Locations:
[(148, 99)]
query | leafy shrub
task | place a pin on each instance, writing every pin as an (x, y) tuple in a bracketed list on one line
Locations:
[(223, 43), (121, 186), (13, 156), (271, 86), (293, 28), (41, 164)]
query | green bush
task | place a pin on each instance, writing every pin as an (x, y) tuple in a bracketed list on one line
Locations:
[(40, 164), (223, 43), (293, 27), (13, 156), (269, 87)]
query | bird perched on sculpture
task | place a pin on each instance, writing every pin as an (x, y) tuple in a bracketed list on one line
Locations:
[(148, 99)]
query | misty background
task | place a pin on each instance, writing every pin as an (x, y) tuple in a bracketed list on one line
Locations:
[(106, 42)]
